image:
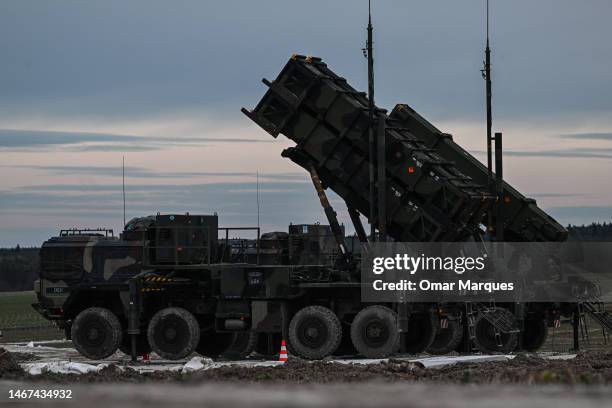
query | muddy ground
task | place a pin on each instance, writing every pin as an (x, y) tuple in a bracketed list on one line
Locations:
[(589, 368), (524, 381)]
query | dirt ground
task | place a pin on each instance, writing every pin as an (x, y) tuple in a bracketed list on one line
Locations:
[(589, 368), (525, 381)]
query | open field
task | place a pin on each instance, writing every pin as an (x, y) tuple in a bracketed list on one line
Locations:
[(20, 322)]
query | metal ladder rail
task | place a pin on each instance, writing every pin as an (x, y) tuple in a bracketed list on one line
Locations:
[(602, 317)]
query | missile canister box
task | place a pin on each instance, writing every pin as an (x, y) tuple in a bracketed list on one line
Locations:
[(523, 219), (428, 198)]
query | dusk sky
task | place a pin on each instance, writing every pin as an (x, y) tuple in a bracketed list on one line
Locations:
[(84, 83)]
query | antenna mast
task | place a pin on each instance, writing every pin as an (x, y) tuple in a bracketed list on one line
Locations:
[(123, 187), (371, 138), (257, 204), (486, 74)]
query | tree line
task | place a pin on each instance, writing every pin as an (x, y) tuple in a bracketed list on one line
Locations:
[(592, 232), (19, 268)]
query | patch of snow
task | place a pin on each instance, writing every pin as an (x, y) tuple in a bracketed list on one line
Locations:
[(432, 362), (196, 364), (62, 367), (560, 357)]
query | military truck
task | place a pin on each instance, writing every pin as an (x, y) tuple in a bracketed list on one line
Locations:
[(176, 284)]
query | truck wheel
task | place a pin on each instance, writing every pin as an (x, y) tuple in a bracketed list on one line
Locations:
[(486, 340), (447, 339), (142, 344), (240, 345), (315, 332), (422, 328), (96, 333), (534, 334), (173, 333), (212, 343), (374, 332)]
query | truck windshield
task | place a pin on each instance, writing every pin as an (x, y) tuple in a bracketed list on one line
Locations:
[(61, 263)]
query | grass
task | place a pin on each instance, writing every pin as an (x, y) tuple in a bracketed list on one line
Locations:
[(562, 339), (20, 322)]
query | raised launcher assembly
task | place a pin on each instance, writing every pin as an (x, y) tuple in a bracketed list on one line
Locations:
[(428, 198), (523, 219)]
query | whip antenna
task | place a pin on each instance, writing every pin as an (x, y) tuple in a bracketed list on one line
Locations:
[(257, 178), (123, 187), (486, 74), (371, 139)]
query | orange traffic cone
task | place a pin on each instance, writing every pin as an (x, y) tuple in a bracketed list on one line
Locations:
[(283, 352)]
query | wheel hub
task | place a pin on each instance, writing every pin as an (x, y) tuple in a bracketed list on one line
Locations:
[(375, 333), (313, 333), (93, 334), (170, 334)]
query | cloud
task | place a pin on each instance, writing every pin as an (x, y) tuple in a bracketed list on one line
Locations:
[(130, 76), (578, 215), (133, 172), (87, 205), (141, 56), (185, 197), (555, 195), (19, 140), (575, 153), (588, 136)]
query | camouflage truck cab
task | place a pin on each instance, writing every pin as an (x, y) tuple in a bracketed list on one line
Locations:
[(76, 260), (86, 274)]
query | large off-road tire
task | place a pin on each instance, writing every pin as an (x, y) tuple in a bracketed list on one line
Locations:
[(173, 333), (212, 343), (374, 332), (142, 344), (422, 328), (96, 333), (534, 334), (447, 339), (315, 332), (485, 339)]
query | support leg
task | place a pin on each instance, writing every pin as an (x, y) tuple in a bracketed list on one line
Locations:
[(361, 234), (576, 327), (134, 317)]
